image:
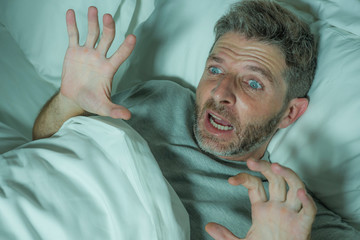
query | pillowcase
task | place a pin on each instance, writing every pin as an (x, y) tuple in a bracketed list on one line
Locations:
[(323, 145), (106, 184), (174, 42), (22, 94), (341, 14), (39, 27)]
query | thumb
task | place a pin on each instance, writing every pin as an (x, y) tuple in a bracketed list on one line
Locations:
[(114, 111), (117, 111), (219, 232)]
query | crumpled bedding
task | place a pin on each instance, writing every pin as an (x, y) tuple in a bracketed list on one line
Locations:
[(94, 179)]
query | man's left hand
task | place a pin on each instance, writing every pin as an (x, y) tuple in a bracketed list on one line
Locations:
[(287, 214)]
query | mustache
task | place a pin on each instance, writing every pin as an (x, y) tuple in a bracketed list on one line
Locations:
[(224, 111)]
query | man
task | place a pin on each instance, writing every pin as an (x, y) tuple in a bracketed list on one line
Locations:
[(255, 81)]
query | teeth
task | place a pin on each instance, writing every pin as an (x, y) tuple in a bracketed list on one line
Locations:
[(218, 126), (216, 117)]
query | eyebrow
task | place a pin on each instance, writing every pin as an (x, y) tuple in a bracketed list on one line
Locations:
[(264, 72), (213, 57)]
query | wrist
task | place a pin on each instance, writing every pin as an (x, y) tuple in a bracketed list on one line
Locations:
[(54, 113), (68, 106)]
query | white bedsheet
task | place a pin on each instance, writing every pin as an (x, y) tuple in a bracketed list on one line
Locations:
[(173, 42), (94, 179)]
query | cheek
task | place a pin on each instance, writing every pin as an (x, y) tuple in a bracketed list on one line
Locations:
[(246, 105), (252, 112), (203, 92), (259, 106)]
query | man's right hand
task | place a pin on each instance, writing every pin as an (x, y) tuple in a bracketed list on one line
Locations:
[(87, 76)]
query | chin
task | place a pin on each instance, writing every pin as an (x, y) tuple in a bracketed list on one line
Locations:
[(215, 145), (234, 148)]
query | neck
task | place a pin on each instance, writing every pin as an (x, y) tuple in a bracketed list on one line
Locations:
[(256, 154)]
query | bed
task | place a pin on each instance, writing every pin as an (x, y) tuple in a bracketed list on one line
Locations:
[(48, 186)]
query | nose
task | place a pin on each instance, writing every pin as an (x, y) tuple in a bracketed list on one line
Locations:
[(223, 92)]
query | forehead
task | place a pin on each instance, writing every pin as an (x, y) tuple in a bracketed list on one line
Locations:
[(233, 48)]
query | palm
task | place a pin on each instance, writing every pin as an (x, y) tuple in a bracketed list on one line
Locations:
[(87, 78), (87, 72)]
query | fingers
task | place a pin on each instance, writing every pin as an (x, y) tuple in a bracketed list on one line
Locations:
[(107, 37), (219, 232), (294, 184), (278, 176), (72, 28), (123, 51), (108, 34), (93, 27), (277, 185), (309, 207), (253, 184)]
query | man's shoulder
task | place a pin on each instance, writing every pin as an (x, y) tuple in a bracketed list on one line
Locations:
[(155, 89), (168, 86), (161, 88)]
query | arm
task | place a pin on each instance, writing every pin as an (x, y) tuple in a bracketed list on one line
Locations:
[(287, 214), (55, 112), (87, 76)]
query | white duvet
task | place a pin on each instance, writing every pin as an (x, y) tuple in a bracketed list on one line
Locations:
[(94, 179)]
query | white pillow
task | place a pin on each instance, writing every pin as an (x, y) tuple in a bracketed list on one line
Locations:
[(94, 179), (341, 14), (323, 146), (22, 93), (39, 27), (174, 44)]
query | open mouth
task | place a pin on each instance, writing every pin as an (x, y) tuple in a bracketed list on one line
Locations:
[(219, 123)]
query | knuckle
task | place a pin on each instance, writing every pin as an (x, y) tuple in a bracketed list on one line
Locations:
[(249, 181), (257, 183)]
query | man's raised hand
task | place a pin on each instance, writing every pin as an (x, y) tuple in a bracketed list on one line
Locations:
[(87, 73), (288, 214)]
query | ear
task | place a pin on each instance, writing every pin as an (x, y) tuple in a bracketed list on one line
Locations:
[(296, 109)]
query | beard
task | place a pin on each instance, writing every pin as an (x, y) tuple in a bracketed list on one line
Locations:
[(245, 140)]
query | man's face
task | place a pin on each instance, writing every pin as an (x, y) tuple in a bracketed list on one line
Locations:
[(240, 98)]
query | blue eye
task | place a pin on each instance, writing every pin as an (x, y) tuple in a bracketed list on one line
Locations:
[(215, 70), (254, 84)]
